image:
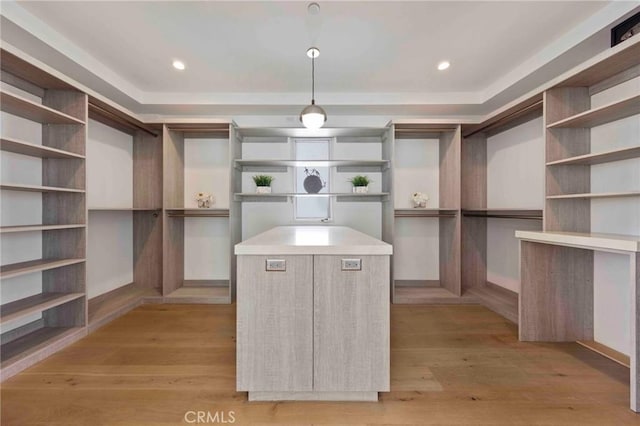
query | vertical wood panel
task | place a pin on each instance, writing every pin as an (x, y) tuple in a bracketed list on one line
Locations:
[(474, 252), (173, 168), (351, 325), (450, 159), (172, 254), (450, 254), (556, 293), (474, 172), (147, 170), (147, 249), (235, 207), (275, 325), (635, 332)]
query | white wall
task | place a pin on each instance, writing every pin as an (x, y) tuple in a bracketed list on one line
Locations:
[(206, 240), (416, 240), (20, 208), (616, 215), (515, 179), (109, 167), (109, 251), (109, 185)]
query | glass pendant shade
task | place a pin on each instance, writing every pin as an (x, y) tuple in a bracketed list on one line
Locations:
[(313, 117)]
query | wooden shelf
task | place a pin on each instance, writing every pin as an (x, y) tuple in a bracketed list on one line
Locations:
[(504, 213), (196, 212), (602, 115), (33, 111), (591, 241), (500, 300), (109, 306), (595, 195), (205, 294), (600, 157), (430, 296), (271, 197), (38, 188), (34, 304), (22, 268), (378, 165), (422, 212), (34, 150), (301, 132), (32, 228), (37, 344)]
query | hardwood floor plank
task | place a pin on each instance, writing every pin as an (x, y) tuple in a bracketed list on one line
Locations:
[(453, 365)]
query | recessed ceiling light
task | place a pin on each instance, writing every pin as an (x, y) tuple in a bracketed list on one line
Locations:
[(313, 8), (179, 65), (443, 65)]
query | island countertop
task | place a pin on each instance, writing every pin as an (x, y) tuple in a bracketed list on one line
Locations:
[(304, 240)]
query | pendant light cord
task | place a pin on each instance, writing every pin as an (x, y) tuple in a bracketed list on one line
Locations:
[(313, 79)]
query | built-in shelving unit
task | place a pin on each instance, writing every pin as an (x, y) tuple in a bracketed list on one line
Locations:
[(142, 215), (563, 264), (54, 315), (176, 288), (446, 138)]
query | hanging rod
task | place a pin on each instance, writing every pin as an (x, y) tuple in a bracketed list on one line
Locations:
[(425, 215), (509, 117), (197, 215), (503, 216), (120, 119)]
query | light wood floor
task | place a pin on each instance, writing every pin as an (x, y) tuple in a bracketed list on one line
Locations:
[(451, 365)]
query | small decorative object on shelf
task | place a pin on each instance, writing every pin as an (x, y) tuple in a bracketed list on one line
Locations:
[(419, 200), (204, 200), (360, 184), (313, 183), (263, 184)]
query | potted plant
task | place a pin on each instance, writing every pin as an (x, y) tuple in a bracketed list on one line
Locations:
[(263, 184), (360, 184)]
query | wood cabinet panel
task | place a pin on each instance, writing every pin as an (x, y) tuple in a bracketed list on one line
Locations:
[(351, 325), (275, 325)]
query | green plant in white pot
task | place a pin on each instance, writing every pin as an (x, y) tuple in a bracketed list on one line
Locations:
[(263, 183), (360, 184)]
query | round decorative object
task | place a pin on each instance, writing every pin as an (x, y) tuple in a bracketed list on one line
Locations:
[(313, 182)]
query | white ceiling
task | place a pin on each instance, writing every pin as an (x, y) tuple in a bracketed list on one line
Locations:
[(243, 53)]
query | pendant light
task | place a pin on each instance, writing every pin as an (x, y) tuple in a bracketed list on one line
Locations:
[(313, 116)]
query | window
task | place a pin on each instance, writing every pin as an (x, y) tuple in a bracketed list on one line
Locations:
[(312, 208)]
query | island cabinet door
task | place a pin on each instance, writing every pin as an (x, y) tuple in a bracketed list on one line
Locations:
[(274, 323), (351, 324)]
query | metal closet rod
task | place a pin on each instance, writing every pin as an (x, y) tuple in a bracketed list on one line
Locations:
[(122, 120), (506, 118)]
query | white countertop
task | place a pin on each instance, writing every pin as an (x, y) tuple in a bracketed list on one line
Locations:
[(303, 240), (589, 241)]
